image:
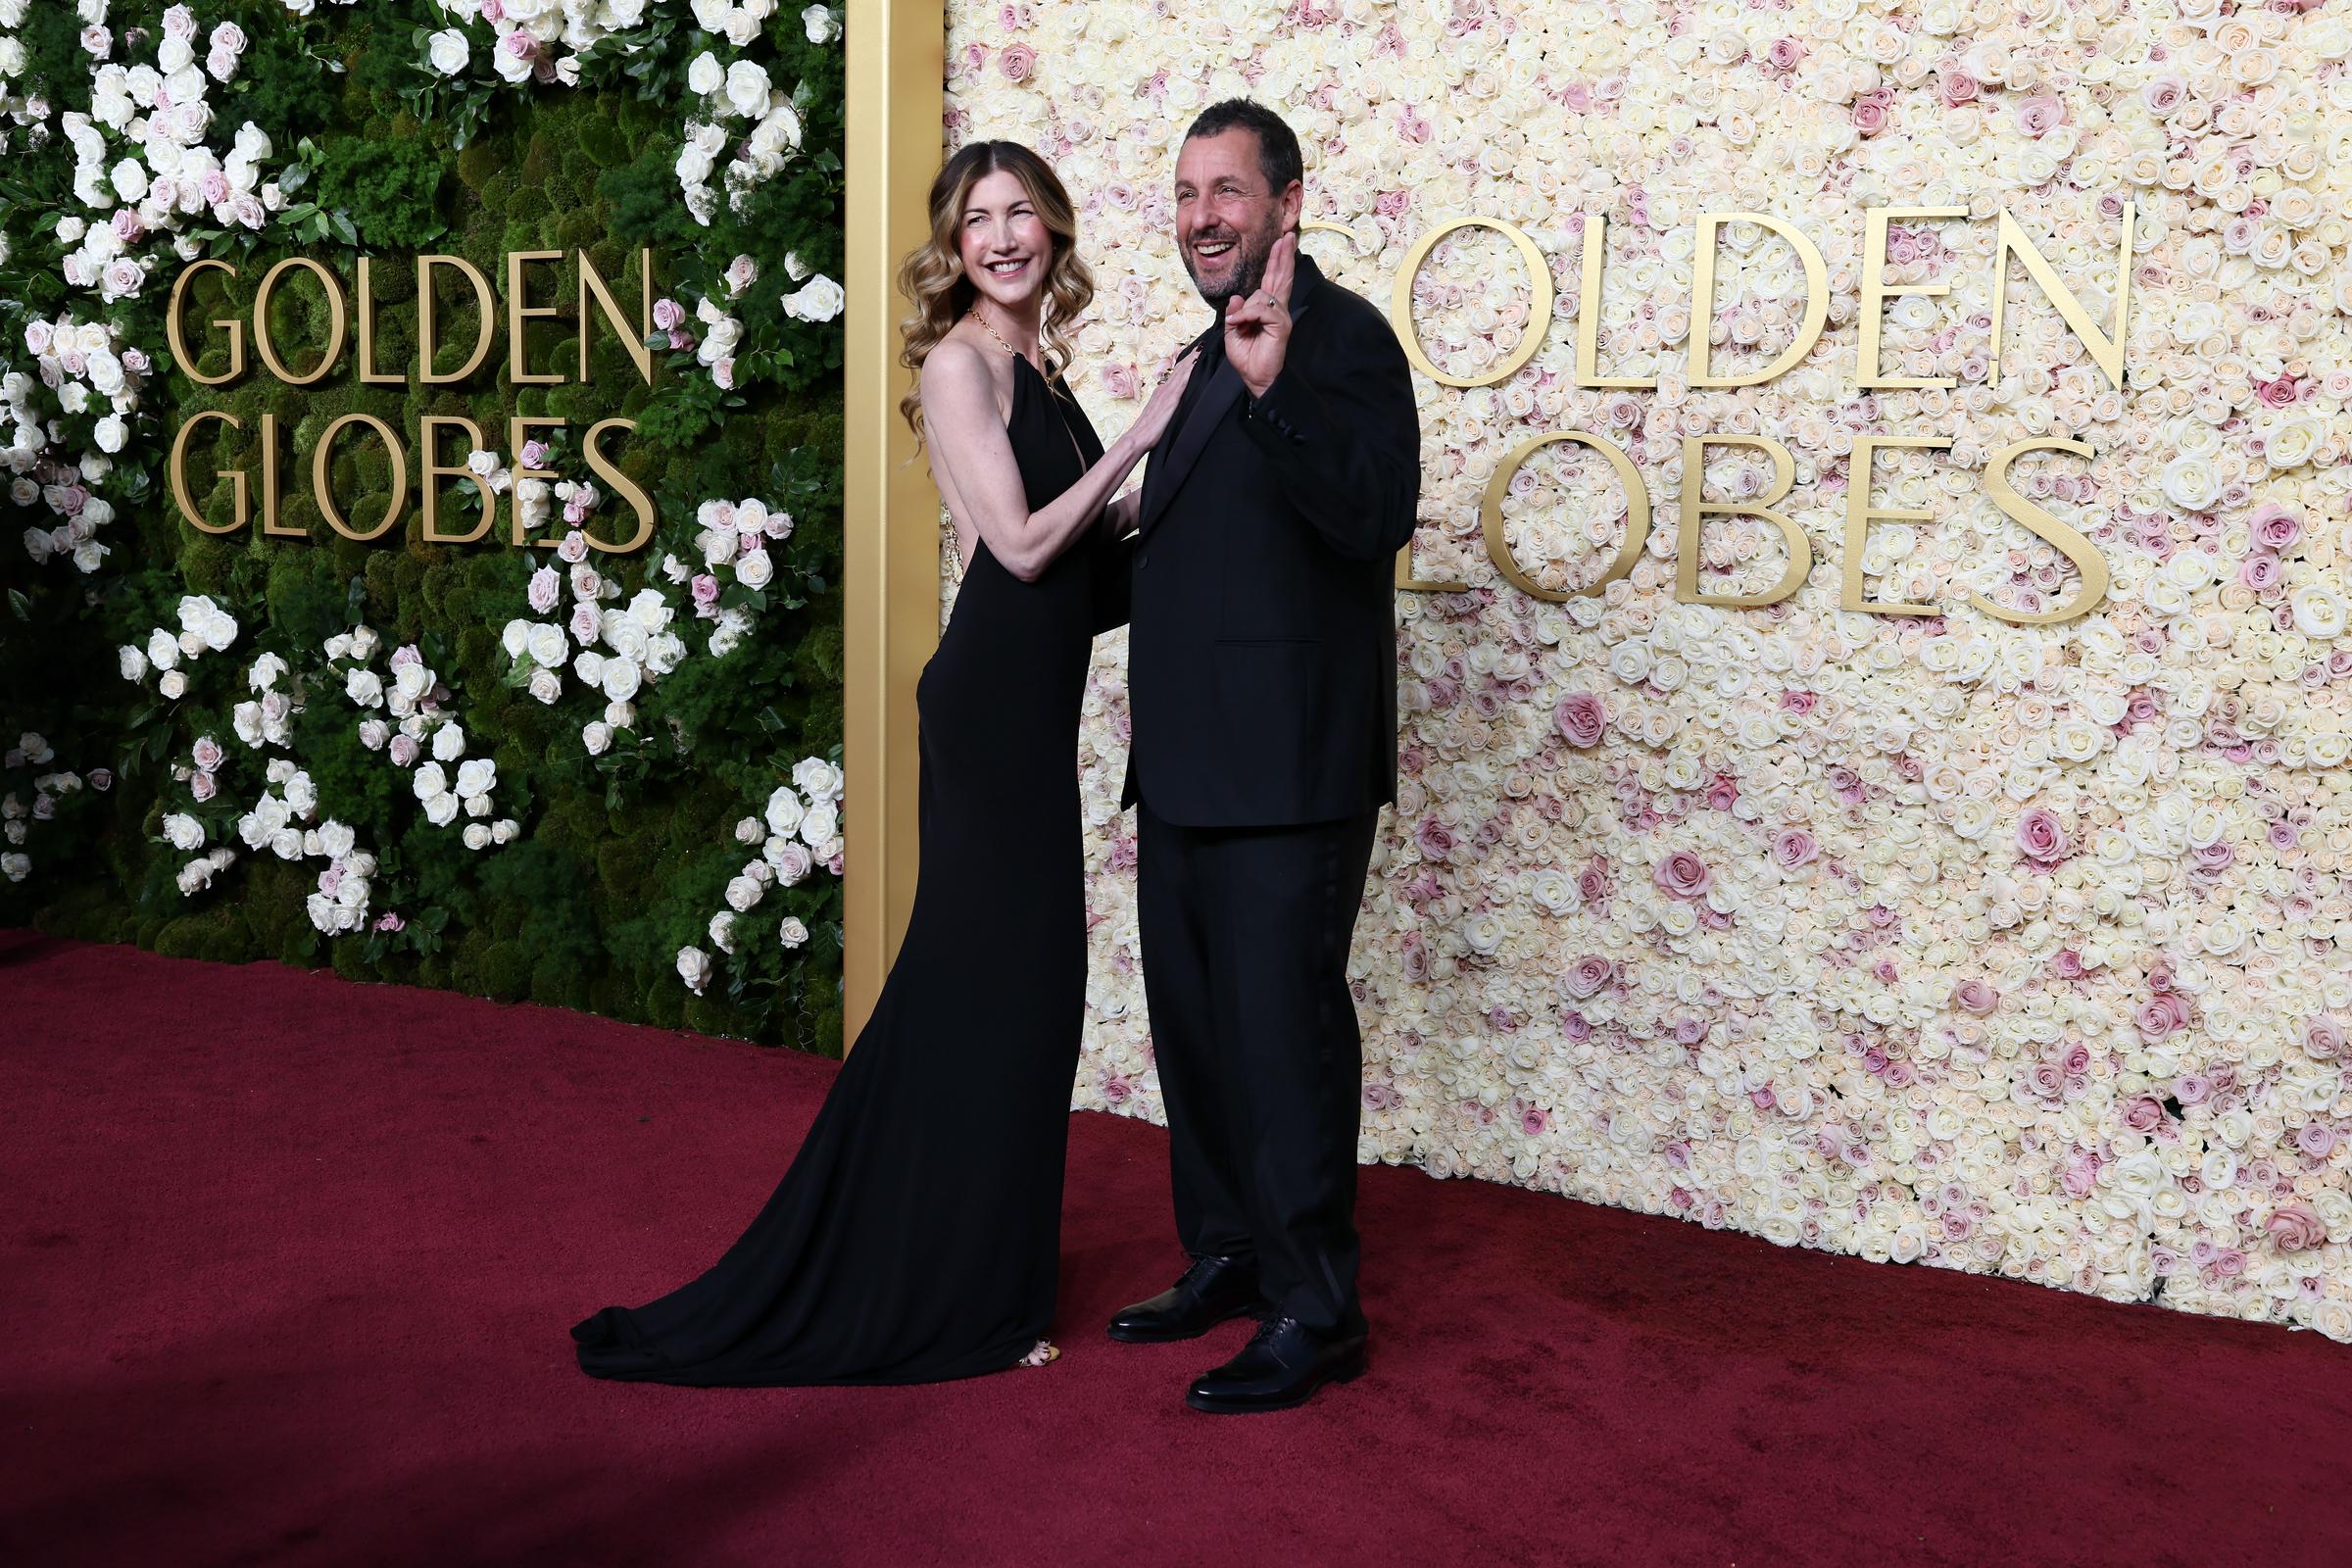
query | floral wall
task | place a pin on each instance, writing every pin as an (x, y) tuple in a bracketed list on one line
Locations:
[(1936, 938), (605, 780)]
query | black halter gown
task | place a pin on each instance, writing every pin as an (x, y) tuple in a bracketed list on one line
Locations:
[(915, 1236)]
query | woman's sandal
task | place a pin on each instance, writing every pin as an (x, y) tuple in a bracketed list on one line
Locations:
[(1045, 1352)]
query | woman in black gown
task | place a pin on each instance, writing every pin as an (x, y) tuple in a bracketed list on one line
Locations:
[(915, 1236)]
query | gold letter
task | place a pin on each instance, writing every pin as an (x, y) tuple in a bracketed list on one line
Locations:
[(1695, 508), (1538, 316), (519, 431), (2080, 551), (1702, 319), (1587, 314), (400, 476), (484, 308), (179, 348), (179, 461), (1637, 514), (366, 313), (434, 474), (2106, 351), (604, 470), (1860, 515), (590, 283), (334, 320), (269, 483), (1875, 291), (518, 372)]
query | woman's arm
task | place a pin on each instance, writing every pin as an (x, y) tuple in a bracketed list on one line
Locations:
[(981, 481)]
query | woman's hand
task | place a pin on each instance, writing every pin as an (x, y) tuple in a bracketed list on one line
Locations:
[(1152, 423)]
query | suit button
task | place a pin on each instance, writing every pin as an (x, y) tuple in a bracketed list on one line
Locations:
[(1141, 562)]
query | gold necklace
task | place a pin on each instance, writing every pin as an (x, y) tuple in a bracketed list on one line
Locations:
[(974, 313)]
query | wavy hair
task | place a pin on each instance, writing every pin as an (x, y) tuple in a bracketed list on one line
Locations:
[(933, 277)]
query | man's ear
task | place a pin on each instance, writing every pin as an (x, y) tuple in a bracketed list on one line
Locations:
[(1293, 201)]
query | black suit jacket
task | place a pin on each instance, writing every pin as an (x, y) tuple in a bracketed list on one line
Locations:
[(1261, 664)]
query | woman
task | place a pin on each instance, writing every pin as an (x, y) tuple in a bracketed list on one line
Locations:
[(915, 1236)]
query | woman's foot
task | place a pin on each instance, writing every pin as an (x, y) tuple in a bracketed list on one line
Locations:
[(1045, 1351)]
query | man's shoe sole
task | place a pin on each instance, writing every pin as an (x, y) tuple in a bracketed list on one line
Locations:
[(1346, 1371), (1128, 1335)]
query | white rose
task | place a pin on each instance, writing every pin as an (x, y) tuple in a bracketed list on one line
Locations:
[(705, 74), (784, 812), (693, 967), (820, 299), (476, 776), (174, 686), (746, 87), (546, 685), (442, 809), (791, 933), (449, 51), (183, 832), (620, 680), (547, 646), (477, 835), (449, 743), (754, 569), (597, 736), (133, 662), (365, 687), (430, 783), (2319, 612)]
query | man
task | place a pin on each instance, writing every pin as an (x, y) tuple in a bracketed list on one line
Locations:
[(1262, 682)]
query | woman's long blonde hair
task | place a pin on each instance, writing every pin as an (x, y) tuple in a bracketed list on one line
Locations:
[(933, 276)]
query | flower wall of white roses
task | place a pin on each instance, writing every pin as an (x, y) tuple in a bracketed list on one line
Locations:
[(2011, 948), (565, 852)]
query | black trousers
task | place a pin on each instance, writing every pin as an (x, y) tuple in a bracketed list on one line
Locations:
[(1244, 945)]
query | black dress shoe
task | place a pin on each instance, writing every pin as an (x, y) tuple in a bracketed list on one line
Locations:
[(1211, 1291), (1282, 1366)]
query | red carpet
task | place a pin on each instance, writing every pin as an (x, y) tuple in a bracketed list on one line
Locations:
[(294, 1261)]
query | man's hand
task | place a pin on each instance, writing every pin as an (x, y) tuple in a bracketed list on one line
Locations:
[(1257, 326)]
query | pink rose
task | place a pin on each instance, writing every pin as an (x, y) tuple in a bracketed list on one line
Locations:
[(1786, 54), (1434, 839), (2323, 1038), (2042, 837), (102, 780), (2039, 116), (2275, 527), (705, 589), (404, 751), (2144, 1114), (389, 921), (2163, 94), (1795, 848), (2296, 1228), (544, 588), (1977, 997), (206, 754), (1017, 62), (1586, 977), (1581, 718), (667, 313), (1957, 87), (1119, 380), (1870, 116), (1683, 875), (2315, 1139), (203, 786)]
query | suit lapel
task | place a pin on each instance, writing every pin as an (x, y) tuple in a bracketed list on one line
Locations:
[(1206, 401), (1158, 472)]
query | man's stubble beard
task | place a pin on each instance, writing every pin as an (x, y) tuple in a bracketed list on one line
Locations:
[(1251, 272)]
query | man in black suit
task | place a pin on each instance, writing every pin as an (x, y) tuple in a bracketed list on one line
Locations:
[(1263, 683)]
